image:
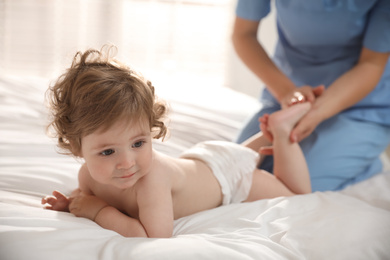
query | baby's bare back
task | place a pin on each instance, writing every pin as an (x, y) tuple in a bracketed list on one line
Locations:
[(195, 188)]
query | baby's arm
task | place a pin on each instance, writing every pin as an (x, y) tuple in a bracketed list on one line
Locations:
[(59, 201), (111, 218), (89, 206), (156, 207), (155, 213), (84, 204), (108, 217), (78, 203)]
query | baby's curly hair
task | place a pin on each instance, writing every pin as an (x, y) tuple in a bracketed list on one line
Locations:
[(94, 93)]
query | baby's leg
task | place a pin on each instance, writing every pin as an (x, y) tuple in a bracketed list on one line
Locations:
[(289, 162)]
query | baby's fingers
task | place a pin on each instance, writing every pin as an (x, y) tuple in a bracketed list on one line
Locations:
[(48, 207), (57, 201), (59, 195), (49, 200)]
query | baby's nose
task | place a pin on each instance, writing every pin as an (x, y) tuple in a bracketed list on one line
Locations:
[(126, 162)]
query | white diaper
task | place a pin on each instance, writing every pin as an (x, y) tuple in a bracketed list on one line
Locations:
[(232, 165)]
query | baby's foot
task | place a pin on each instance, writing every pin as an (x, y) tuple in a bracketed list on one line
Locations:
[(283, 121)]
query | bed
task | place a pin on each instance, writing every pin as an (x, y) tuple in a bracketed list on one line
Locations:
[(349, 224)]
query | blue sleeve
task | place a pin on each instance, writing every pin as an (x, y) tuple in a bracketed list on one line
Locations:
[(253, 10), (377, 36)]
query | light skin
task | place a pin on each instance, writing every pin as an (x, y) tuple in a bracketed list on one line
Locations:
[(128, 187), (347, 90)]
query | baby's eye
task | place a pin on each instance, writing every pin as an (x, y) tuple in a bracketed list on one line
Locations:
[(138, 144), (107, 152)]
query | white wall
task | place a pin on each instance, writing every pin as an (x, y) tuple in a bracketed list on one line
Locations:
[(161, 38), (182, 40)]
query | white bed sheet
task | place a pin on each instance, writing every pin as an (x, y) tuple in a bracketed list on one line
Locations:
[(350, 224)]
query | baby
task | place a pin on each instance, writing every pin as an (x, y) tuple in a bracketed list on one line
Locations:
[(107, 114)]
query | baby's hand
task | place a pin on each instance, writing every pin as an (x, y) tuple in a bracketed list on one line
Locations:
[(85, 205), (57, 201)]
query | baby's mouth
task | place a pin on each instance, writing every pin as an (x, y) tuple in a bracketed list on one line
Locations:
[(127, 176)]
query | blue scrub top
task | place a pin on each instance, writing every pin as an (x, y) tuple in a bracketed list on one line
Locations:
[(319, 40)]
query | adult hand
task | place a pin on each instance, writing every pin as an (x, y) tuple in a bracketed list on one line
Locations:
[(302, 94), (57, 201), (85, 205), (312, 119)]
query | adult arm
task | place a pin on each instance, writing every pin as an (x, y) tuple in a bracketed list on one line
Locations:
[(344, 92), (252, 53)]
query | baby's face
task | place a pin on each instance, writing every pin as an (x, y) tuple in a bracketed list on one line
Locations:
[(121, 155)]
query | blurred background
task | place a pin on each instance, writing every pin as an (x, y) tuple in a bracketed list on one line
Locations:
[(178, 40)]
